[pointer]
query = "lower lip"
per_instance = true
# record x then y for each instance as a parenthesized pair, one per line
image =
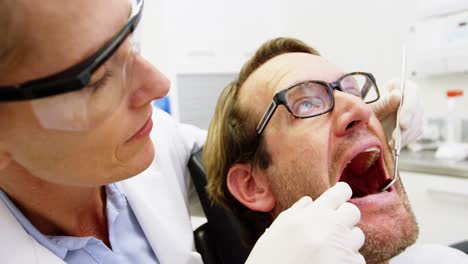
(144, 131)
(377, 199)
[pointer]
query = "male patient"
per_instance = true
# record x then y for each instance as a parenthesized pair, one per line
(292, 125)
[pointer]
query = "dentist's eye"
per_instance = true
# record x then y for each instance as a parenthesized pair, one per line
(102, 81)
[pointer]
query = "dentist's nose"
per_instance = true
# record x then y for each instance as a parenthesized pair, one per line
(148, 83)
(351, 113)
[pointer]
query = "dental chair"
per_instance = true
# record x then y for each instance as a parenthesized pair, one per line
(219, 240)
(462, 246)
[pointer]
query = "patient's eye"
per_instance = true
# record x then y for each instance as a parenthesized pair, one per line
(354, 90)
(309, 106)
(304, 107)
(308, 99)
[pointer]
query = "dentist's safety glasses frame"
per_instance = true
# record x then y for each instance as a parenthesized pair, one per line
(83, 96)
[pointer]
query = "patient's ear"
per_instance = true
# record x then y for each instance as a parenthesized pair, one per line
(250, 187)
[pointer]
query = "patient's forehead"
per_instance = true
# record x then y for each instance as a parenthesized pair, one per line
(282, 72)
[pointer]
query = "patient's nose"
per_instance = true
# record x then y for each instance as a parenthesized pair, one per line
(351, 113)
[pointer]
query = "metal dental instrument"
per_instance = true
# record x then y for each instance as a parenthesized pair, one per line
(397, 147)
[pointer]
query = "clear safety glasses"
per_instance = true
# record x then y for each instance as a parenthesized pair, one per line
(313, 98)
(82, 96)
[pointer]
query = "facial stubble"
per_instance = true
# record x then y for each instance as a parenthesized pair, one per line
(294, 178)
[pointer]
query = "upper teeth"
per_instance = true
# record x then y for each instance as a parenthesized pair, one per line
(372, 157)
(376, 149)
(365, 160)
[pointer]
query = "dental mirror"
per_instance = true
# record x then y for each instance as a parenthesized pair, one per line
(397, 147)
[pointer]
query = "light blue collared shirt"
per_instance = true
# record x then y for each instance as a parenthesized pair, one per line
(129, 243)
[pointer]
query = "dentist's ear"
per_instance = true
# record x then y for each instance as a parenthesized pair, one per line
(250, 187)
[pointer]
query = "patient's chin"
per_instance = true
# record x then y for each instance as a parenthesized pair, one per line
(385, 240)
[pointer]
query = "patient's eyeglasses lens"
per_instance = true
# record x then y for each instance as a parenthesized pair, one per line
(309, 99)
(361, 85)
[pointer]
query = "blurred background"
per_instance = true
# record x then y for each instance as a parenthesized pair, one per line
(201, 45)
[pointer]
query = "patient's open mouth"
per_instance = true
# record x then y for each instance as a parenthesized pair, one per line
(365, 173)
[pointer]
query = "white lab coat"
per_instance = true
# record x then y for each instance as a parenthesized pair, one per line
(159, 197)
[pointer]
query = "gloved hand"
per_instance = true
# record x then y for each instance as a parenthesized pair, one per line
(319, 232)
(411, 117)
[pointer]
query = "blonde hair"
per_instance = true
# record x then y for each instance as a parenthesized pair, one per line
(232, 138)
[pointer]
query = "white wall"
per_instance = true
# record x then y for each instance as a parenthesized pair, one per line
(217, 36)
(357, 35)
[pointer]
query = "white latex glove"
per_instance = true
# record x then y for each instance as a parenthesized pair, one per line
(320, 232)
(411, 118)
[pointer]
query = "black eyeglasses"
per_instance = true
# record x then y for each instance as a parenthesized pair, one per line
(313, 98)
(75, 77)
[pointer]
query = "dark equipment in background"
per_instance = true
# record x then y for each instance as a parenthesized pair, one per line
(219, 240)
